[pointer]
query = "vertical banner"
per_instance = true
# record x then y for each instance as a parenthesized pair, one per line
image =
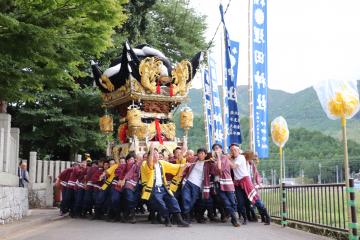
(218, 131)
(259, 75)
(232, 119)
(207, 108)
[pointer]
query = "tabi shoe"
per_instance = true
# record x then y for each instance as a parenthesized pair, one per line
(262, 218)
(224, 218)
(132, 218)
(186, 217)
(152, 217)
(267, 217)
(167, 222)
(234, 220)
(264, 214)
(200, 219)
(97, 215)
(180, 221)
(158, 218)
(213, 217)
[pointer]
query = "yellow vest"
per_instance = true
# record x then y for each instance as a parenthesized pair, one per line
(110, 171)
(148, 176)
(175, 182)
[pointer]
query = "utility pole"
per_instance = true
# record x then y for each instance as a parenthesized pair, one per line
(319, 173)
(337, 174)
(264, 177)
(341, 176)
(302, 176)
(272, 177)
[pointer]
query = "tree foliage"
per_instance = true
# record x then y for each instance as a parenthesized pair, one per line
(61, 123)
(46, 44)
(176, 29)
(168, 25)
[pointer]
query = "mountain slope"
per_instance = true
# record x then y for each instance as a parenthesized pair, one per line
(301, 109)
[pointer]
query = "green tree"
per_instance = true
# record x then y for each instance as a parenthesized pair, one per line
(46, 44)
(168, 25)
(176, 29)
(64, 118)
(61, 123)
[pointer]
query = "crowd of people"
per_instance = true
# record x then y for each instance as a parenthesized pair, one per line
(177, 189)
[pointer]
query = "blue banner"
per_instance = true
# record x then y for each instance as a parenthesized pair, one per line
(232, 118)
(232, 114)
(207, 109)
(260, 80)
(218, 131)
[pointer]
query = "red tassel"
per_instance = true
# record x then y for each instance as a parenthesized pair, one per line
(171, 90)
(158, 131)
(122, 134)
(158, 87)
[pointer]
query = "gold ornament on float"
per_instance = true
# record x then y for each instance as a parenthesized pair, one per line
(133, 117)
(149, 70)
(186, 119)
(180, 74)
(106, 124)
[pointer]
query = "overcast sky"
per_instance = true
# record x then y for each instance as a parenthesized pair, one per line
(308, 40)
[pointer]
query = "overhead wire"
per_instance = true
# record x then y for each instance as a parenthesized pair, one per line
(213, 37)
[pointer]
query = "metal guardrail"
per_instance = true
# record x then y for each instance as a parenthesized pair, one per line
(322, 205)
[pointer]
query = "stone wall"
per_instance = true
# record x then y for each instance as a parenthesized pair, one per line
(41, 195)
(14, 203)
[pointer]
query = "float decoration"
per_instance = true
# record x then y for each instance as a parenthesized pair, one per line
(340, 99)
(279, 131)
(142, 87)
(106, 124)
(186, 119)
(280, 135)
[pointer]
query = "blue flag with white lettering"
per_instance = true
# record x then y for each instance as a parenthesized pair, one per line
(232, 118)
(260, 80)
(208, 108)
(218, 131)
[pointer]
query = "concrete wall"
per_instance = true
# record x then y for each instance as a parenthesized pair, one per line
(13, 203)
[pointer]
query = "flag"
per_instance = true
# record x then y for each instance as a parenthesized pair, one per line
(232, 117)
(260, 80)
(207, 109)
(218, 131)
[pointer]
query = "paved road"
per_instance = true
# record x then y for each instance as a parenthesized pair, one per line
(82, 229)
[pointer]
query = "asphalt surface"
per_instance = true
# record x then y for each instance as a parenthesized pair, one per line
(83, 229)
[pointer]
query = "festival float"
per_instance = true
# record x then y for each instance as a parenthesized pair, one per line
(144, 88)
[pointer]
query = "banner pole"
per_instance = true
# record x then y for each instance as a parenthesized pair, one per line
(207, 137)
(346, 168)
(223, 90)
(251, 118)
